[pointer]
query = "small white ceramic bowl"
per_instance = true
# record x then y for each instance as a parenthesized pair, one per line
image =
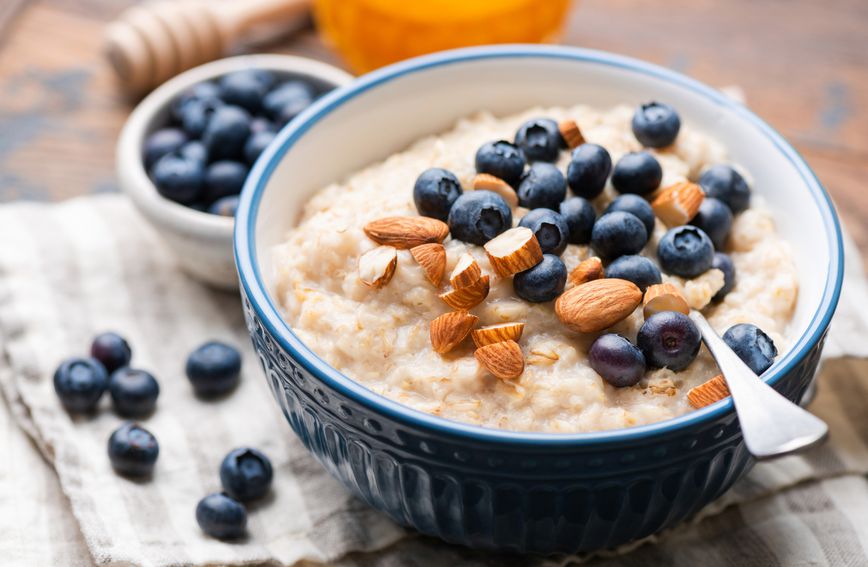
(201, 241)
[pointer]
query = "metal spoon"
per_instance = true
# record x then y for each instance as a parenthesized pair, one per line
(772, 425)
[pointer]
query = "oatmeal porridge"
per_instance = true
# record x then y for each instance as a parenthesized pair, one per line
(367, 305)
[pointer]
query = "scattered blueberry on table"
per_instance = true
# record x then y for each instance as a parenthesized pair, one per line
(216, 131)
(544, 282)
(669, 339)
(133, 450)
(112, 350)
(479, 216)
(134, 392)
(246, 474)
(617, 360)
(550, 228)
(214, 369)
(634, 268)
(752, 345)
(80, 383)
(655, 124)
(221, 516)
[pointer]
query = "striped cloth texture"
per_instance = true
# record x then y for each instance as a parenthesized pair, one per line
(71, 270)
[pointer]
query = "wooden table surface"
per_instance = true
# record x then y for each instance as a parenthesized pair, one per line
(802, 64)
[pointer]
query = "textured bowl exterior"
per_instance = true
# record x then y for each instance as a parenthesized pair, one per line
(527, 499)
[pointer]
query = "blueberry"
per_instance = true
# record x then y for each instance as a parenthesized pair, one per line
(112, 350)
(244, 89)
(588, 170)
(715, 219)
(550, 228)
(221, 516)
(287, 100)
(753, 347)
(637, 269)
(79, 383)
(196, 93)
(637, 172)
(224, 178)
(580, 216)
(618, 233)
(178, 178)
(224, 206)
(261, 124)
(685, 251)
(214, 369)
(724, 183)
(435, 191)
(543, 185)
(227, 132)
(500, 159)
(256, 144)
(133, 450)
(194, 150)
(162, 142)
(478, 216)
(724, 263)
(246, 474)
(134, 392)
(539, 139)
(636, 205)
(669, 339)
(543, 282)
(617, 360)
(197, 114)
(656, 124)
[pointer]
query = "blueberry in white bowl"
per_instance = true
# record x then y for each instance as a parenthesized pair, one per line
(618, 233)
(588, 170)
(542, 185)
(656, 124)
(685, 251)
(715, 219)
(162, 142)
(550, 228)
(501, 159)
(634, 268)
(638, 173)
(669, 339)
(478, 216)
(435, 191)
(580, 216)
(620, 363)
(539, 139)
(636, 205)
(723, 182)
(724, 263)
(544, 282)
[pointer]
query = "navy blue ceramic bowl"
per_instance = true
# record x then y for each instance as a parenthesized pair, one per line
(525, 492)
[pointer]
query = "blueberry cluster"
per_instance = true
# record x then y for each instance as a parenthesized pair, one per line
(617, 236)
(216, 132)
(246, 475)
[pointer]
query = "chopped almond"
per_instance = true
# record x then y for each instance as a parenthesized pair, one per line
(571, 133)
(663, 297)
(587, 270)
(491, 334)
(466, 271)
(513, 251)
(432, 259)
(467, 297)
(406, 232)
(448, 330)
(488, 182)
(708, 393)
(377, 266)
(678, 204)
(504, 359)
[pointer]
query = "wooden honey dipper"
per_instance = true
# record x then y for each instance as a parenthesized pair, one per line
(152, 42)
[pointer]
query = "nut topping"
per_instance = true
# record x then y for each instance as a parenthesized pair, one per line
(491, 334)
(587, 270)
(467, 297)
(516, 250)
(571, 133)
(448, 330)
(678, 204)
(598, 304)
(466, 272)
(432, 259)
(504, 359)
(709, 392)
(663, 297)
(406, 232)
(488, 182)
(377, 266)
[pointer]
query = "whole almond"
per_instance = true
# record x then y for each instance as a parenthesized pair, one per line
(678, 204)
(432, 259)
(513, 251)
(708, 392)
(491, 334)
(488, 182)
(377, 266)
(406, 232)
(467, 297)
(466, 271)
(571, 133)
(587, 270)
(663, 297)
(504, 359)
(448, 330)
(598, 304)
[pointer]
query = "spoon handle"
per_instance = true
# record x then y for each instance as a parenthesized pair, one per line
(772, 425)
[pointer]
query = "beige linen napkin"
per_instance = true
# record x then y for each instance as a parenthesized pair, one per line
(70, 270)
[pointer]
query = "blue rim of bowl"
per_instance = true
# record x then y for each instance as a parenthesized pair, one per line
(260, 300)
